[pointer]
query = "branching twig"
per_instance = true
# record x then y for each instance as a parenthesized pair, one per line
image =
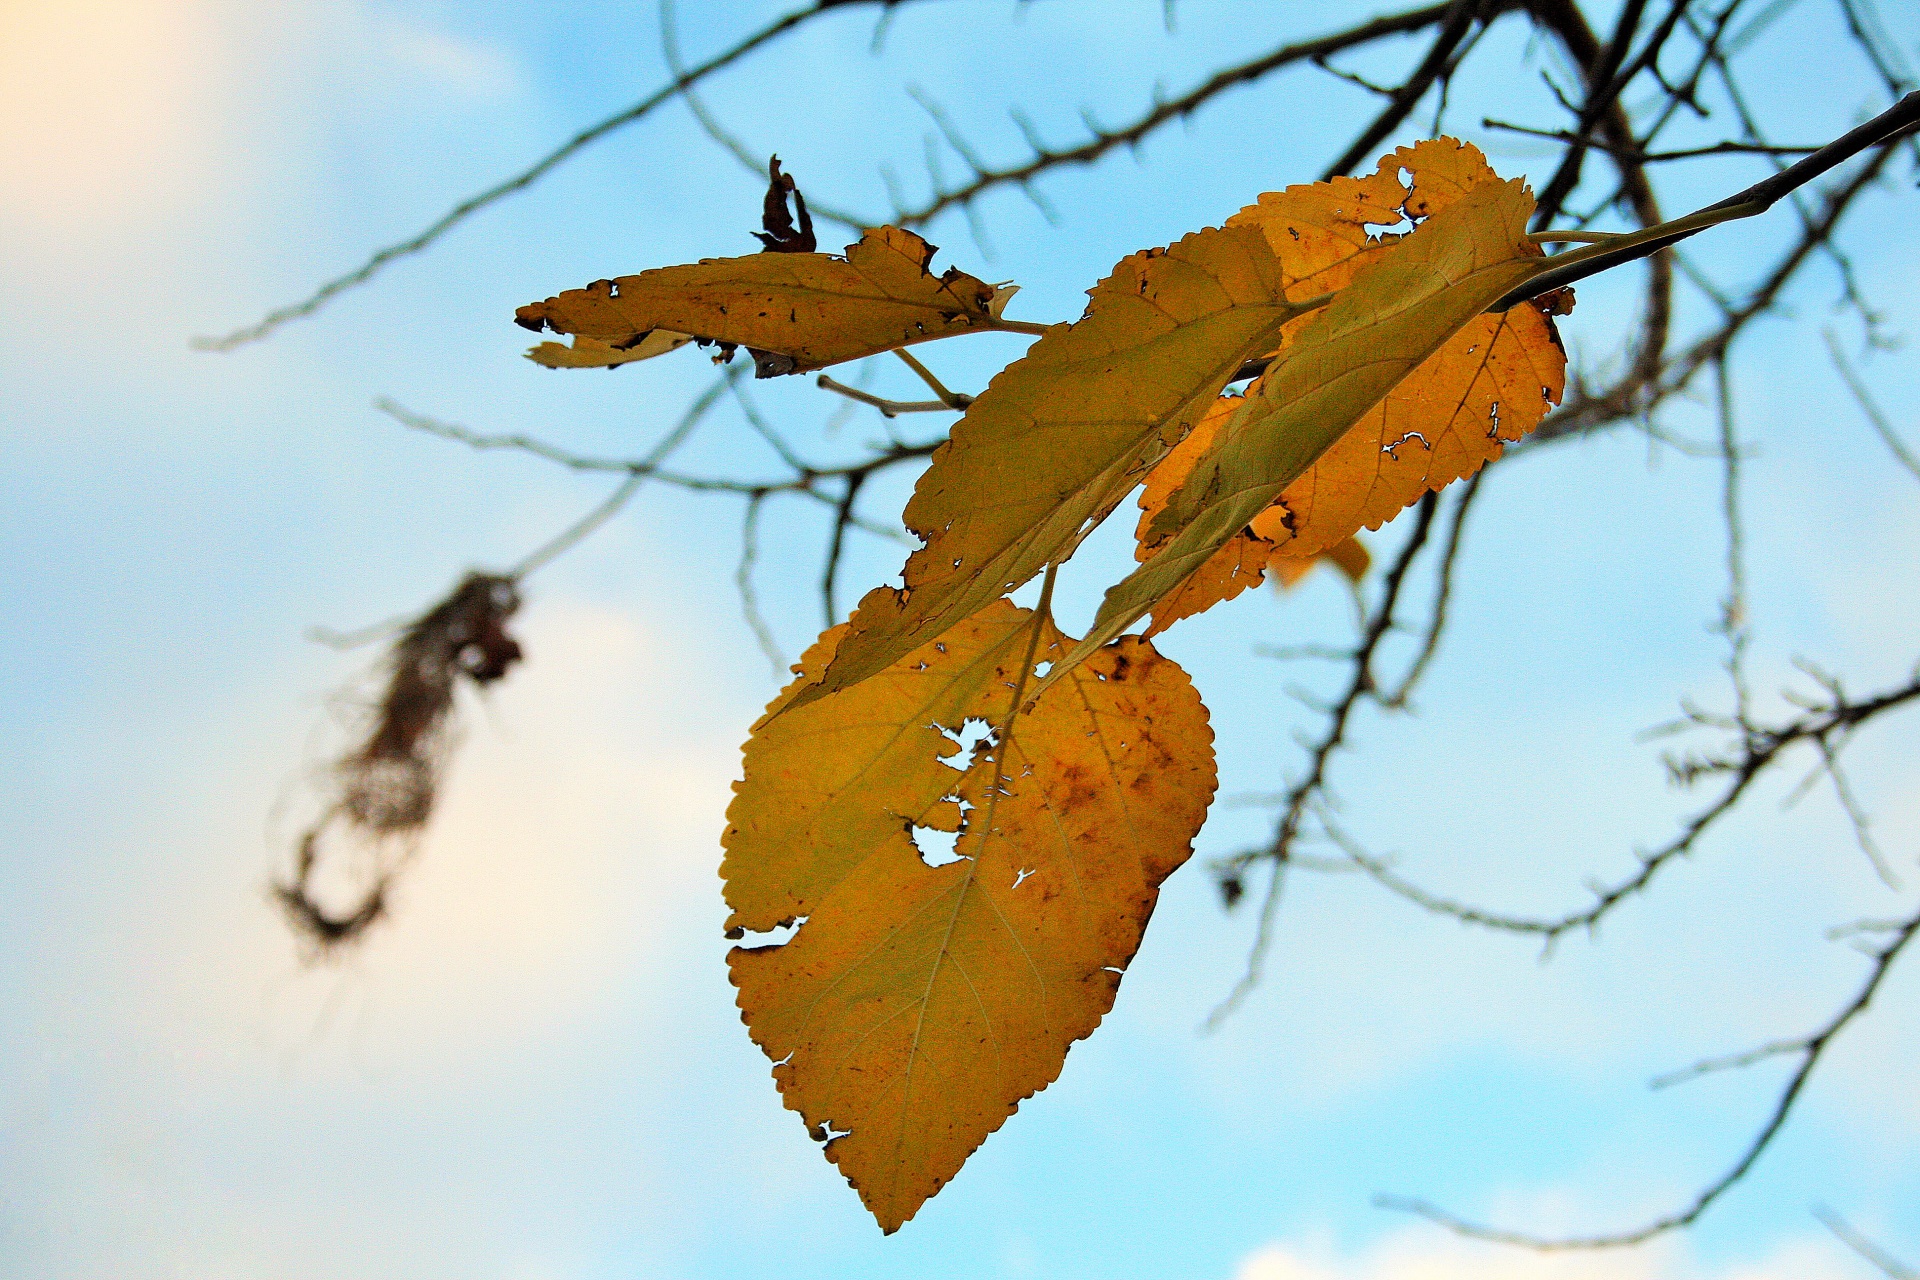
(522, 180)
(1810, 1049)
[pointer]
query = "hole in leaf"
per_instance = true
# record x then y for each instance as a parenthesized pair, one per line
(1392, 450)
(971, 734)
(825, 1132)
(937, 848)
(1020, 876)
(1040, 669)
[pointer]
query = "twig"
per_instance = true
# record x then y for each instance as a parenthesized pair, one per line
(1652, 157)
(520, 181)
(1105, 140)
(1873, 1253)
(1888, 126)
(711, 126)
(571, 536)
(743, 582)
(1457, 20)
(1875, 418)
(1811, 1048)
(1443, 592)
(1301, 794)
(952, 400)
(887, 408)
(1760, 748)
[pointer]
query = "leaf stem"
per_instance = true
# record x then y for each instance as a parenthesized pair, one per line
(887, 408)
(947, 398)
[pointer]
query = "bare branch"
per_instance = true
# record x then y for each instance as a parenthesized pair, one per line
(522, 180)
(1811, 1048)
(1105, 140)
(1866, 1248)
(1875, 418)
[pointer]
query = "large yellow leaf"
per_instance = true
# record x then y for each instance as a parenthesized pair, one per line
(1490, 384)
(917, 1005)
(812, 309)
(1395, 313)
(1062, 435)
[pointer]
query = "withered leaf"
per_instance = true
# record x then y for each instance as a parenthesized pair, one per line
(1490, 384)
(1395, 313)
(918, 1004)
(810, 309)
(778, 235)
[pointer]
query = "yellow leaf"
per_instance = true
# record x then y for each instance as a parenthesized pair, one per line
(1397, 311)
(1490, 384)
(813, 309)
(1246, 557)
(1062, 435)
(917, 1004)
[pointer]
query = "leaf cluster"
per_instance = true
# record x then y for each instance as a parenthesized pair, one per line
(918, 1003)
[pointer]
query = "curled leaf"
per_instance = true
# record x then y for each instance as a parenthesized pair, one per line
(779, 235)
(590, 353)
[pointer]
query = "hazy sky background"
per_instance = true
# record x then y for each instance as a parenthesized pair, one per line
(535, 1069)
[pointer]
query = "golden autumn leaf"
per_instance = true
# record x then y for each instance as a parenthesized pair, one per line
(809, 310)
(1062, 435)
(1490, 384)
(1396, 312)
(918, 1004)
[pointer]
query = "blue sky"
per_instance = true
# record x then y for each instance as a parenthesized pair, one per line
(535, 1068)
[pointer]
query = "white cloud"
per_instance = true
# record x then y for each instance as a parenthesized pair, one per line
(463, 65)
(1425, 1253)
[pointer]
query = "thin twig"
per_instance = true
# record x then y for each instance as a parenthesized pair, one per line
(1873, 1253)
(1875, 418)
(572, 535)
(520, 181)
(1811, 1048)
